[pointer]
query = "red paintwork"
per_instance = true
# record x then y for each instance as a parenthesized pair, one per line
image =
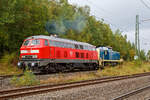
(47, 52)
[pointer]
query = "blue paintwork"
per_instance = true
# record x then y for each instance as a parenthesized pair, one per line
(108, 54)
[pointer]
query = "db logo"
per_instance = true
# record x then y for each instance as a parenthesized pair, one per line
(28, 51)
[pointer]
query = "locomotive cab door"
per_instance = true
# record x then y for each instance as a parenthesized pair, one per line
(52, 52)
(52, 49)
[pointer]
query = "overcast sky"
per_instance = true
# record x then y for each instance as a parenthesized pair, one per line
(121, 14)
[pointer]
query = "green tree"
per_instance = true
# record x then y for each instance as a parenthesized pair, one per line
(22, 18)
(142, 55)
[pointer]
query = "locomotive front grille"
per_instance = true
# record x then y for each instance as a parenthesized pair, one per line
(29, 56)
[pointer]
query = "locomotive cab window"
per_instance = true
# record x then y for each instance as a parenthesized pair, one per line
(65, 45)
(72, 46)
(61, 44)
(81, 46)
(90, 48)
(85, 47)
(69, 45)
(76, 46)
(46, 43)
(51, 43)
(56, 44)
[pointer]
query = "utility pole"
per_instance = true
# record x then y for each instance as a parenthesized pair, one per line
(137, 39)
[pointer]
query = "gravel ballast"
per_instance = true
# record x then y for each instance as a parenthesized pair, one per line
(145, 95)
(104, 91)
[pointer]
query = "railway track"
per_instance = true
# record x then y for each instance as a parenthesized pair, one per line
(8, 76)
(132, 93)
(19, 92)
(5, 76)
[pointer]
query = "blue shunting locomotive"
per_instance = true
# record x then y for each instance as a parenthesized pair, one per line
(108, 56)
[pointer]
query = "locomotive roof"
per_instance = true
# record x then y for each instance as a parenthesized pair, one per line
(59, 39)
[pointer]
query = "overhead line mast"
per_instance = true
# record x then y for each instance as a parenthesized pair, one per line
(137, 39)
(137, 36)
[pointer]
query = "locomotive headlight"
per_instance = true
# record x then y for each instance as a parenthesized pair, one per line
(34, 56)
(34, 51)
(23, 56)
(19, 64)
(32, 64)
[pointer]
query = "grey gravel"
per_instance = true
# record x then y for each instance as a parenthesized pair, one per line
(104, 91)
(145, 95)
(5, 83)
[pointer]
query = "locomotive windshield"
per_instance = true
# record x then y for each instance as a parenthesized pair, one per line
(35, 42)
(31, 42)
(26, 42)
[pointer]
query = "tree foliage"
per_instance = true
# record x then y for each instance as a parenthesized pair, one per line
(22, 18)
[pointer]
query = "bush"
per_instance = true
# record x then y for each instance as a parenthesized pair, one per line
(8, 64)
(138, 63)
(28, 79)
(10, 58)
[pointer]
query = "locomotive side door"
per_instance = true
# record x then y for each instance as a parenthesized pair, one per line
(46, 49)
(52, 49)
(52, 52)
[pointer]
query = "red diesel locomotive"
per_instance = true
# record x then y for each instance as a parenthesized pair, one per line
(52, 54)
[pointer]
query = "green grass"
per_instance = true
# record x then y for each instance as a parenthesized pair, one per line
(127, 68)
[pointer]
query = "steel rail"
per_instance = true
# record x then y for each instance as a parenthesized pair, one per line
(5, 76)
(132, 93)
(9, 76)
(14, 93)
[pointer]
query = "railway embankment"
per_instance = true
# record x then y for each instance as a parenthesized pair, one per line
(103, 91)
(57, 78)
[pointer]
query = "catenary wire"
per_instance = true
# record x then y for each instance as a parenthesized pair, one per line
(145, 4)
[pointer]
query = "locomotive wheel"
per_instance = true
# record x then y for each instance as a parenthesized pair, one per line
(89, 67)
(62, 68)
(50, 68)
(59, 68)
(53, 68)
(69, 67)
(92, 67)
